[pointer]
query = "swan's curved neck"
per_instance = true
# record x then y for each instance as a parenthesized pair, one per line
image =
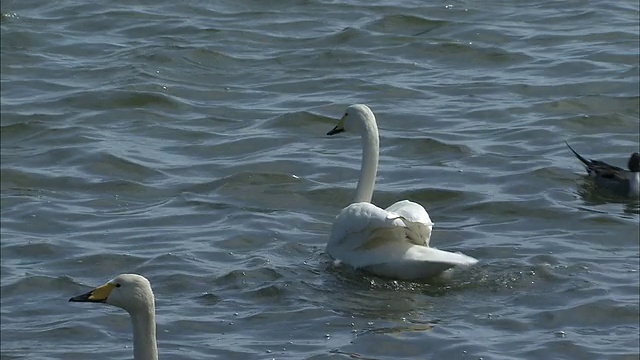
(144, 334)
(369, 167)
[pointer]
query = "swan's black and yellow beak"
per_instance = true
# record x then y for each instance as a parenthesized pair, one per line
(339, 128)
(98, 295)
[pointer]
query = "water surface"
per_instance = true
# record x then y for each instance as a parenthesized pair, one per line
(185, 142)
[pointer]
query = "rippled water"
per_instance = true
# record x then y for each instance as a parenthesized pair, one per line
(185, 142)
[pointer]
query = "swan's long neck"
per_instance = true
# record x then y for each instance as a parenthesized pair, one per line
(369, 168)
(144, 334)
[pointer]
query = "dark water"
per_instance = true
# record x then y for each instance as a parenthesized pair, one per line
(185, 141)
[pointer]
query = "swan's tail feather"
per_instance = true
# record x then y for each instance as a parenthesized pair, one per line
(408, 261)
(429, 254)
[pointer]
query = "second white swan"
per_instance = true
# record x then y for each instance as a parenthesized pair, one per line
(132, 293)
(391, 242)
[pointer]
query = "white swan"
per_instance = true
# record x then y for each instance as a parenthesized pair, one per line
(132, 293)
(393, 242)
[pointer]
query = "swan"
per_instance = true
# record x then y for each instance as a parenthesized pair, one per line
(391, 242)
(612, 178)
(132, 293)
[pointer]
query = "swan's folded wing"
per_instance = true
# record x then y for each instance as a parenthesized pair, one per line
(411, 211)
(357, 221)
(363, 226)
(416, 219)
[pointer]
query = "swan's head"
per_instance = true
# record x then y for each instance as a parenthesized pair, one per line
(130, 292)
(634, 162)
(355, 119)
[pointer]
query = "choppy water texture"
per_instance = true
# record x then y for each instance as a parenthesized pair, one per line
(185, 141)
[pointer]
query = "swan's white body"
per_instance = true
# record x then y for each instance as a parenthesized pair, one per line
(132, 293)
(393, 242)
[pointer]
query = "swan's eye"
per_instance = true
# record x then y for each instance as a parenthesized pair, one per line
(345, 114)
(118, 285)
